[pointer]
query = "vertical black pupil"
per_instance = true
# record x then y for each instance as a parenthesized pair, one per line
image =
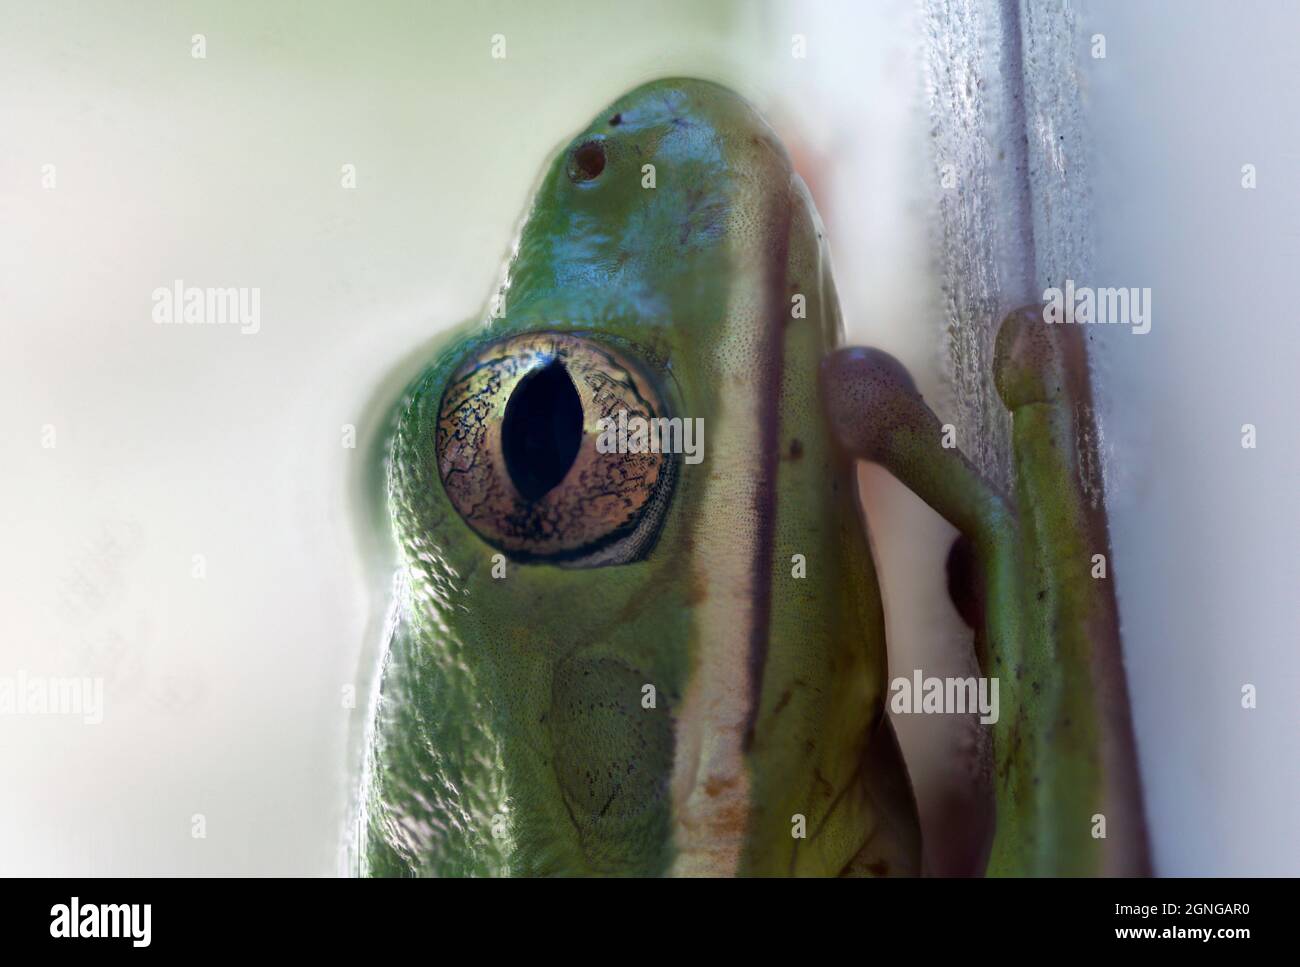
(542, 430)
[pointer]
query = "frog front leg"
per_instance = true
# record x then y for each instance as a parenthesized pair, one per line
(1066, 783)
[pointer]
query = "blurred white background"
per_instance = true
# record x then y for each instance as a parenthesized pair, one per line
(223, 694)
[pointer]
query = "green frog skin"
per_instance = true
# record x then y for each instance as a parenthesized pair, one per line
(673, 663)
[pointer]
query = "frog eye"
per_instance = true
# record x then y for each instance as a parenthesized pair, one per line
(517, 446)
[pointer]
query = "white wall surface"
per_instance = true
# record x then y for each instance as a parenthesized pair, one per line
(222, 694)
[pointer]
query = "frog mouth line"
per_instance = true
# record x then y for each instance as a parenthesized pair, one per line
(771, 360)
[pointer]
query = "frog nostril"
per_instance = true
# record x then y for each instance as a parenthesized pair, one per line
(541, 431)
(587, 161)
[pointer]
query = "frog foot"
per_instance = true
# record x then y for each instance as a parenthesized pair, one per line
(1037, 586)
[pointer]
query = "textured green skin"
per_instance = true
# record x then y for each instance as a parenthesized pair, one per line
(479, 719)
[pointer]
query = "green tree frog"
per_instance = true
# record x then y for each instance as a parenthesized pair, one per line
(635, 626)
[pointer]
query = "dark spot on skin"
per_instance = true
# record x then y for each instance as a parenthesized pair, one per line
(796, 449)
(608, 802)
(827, 789)
(1015, 749)
(783, 701)
(616, 120)
(715, 785)
(1042, 594)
